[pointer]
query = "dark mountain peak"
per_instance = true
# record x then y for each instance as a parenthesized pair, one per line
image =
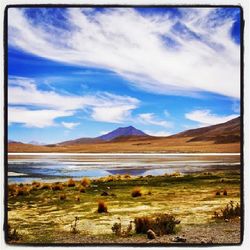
(122, 131)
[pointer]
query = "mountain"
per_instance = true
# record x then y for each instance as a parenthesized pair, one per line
(227, 132)
(123, 134)
(36, 143)
(220, 138)
(125, 131)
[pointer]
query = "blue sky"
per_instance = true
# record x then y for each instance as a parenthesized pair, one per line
(84, 72)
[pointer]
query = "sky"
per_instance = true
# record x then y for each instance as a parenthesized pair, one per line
(83, 72)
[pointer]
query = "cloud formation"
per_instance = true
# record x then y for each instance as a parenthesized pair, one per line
(70, 125)
(206, 117)
(149, 118)
(35, 107)
(182, 55)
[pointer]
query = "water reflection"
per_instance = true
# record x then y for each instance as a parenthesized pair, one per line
(55, 168)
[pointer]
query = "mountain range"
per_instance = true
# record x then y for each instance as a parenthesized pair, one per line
(220, 137)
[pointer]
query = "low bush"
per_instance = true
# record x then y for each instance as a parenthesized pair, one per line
(36, 184)
(230, 211)
(71, 183)
(118, 231)
(45, 186)
(57, 187)
(20, 191)
(136, 192)
(85, 182)
(217, 193)
(102, 207)
(160, 223)
(225, 192)
(12, 234)
(62, 197)
(82, 190)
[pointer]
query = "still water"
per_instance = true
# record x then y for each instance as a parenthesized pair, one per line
(51, 167)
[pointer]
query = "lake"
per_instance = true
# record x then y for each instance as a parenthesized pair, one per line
(56, 167)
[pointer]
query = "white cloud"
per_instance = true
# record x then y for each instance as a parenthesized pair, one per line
(35, 118)
(70, 125)
(112, 114)
(34, 107)
(166, 113)
(205, 117)
(149, 118)
(138, 47)
(158, 133)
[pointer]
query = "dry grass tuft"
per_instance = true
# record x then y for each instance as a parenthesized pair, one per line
(45, 186)
(71, 183)
(57, 187)
(36, 184)
(82, 190)
(230, 211)
(160, 223)
(85, 182)
(102, 207)
(136, 192)
(62, 197)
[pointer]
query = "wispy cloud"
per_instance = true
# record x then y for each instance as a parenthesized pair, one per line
(150, 118)
(35, 118)
(206, 117)
(70, 125)
(158, 133)
(191, 53)
(34, 107)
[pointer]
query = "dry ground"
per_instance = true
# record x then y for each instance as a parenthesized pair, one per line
(163, 145)
(41, 217)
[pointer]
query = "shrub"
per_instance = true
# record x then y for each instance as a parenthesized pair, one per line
(160, 223)
(62, 197)
(136, 192)
(12, 234)
(117, 229)
(36, 184)
(82, 189)
(127, 176)
(20, 191)
(57, 187)
(230, 211)
(71, 183)
(225, 192)
(217, 193)
(85, 182)
(46, 186)
(102, 207)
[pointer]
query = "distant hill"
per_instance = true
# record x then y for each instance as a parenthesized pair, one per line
(221, 138)
(227, 132)
(125, 131)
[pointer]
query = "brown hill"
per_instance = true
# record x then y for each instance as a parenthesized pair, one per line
(227, 132)
(221, 138)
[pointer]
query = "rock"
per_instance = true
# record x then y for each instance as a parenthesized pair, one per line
(179, 239)
(151, 234)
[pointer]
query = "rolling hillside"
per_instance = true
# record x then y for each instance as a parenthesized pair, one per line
(222, 138)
